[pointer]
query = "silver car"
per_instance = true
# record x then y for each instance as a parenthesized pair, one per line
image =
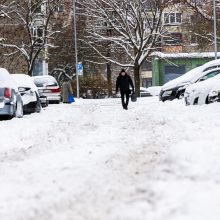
(10, 99)
(49, 87)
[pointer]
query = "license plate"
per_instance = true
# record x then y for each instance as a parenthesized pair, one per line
(47, 90)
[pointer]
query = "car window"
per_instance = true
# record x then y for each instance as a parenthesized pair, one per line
(212, 74)
(42, 82)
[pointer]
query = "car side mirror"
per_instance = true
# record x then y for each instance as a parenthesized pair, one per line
(202, 79)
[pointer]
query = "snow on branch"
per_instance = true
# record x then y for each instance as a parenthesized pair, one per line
(133, 27)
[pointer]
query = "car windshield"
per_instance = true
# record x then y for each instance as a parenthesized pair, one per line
(42, 82)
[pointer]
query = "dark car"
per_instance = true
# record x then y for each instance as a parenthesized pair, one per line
(10, 99)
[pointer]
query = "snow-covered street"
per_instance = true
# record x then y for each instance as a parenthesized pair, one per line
(92, 160)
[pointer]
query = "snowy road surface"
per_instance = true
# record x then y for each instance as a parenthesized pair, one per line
(92, 160)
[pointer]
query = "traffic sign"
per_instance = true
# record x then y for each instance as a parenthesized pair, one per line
(80, 68)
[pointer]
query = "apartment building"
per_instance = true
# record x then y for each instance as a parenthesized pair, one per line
(45, 22)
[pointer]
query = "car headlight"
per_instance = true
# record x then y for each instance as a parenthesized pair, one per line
(214, 93)
(167, 93)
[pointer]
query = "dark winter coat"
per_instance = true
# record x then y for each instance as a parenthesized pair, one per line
(66, 91)
(124, 82)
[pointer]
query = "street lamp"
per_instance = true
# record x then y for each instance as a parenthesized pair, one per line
(76, 52)
(215, 37)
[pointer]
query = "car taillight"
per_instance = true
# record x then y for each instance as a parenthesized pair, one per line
(7, 93)
(55, 90)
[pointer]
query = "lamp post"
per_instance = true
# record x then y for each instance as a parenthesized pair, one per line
(76, 51)
(215, 37)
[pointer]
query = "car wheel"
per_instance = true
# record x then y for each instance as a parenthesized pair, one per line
(38, 107)
(19, 110)
(207, 100)
(180, 95)
(196, 101)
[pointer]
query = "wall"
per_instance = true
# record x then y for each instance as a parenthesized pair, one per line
(159, 66)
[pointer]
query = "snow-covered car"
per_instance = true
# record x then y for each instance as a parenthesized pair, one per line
(10, 99)
(144, 92)
(49, 87)
(176, 88)
(29, 93)
(198, 93)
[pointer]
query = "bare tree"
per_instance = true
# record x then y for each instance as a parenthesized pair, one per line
(201, 24)
(5, 9)
(34, 33)
(135, 30)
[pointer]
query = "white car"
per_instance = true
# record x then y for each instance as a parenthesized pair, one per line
(49, 87)
(198, 93)
(144, 92)
(29, 93)
(176, 88)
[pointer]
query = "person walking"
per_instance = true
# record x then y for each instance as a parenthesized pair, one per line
(66, 91)
(123, 82)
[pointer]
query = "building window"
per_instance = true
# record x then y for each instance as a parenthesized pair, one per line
(172, 18)
(59, 8)
(38, 34)
(146, 82)
(147, 65)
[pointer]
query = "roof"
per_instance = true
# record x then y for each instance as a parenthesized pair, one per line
(185, 55)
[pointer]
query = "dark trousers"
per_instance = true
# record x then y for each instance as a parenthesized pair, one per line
(123, 95)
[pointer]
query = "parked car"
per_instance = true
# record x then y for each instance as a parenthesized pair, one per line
(144, 92)
(49, 87)
(29, 93)
(176, 88)
(10, 98)
(198, 93)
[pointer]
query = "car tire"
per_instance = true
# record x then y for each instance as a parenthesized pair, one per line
(38, 107)
(180, 95)
(196, 101)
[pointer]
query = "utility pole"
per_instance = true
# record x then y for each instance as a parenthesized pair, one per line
(76, 51)
(215, 37)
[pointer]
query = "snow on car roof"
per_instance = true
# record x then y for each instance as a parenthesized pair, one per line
(6, 79)
(23, 80)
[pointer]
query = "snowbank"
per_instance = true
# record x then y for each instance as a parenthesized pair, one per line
(92, 160)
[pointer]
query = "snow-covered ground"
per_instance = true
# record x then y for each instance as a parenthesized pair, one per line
(92, 160)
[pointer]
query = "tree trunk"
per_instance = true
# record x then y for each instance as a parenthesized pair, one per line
(137, 80)
(109, 78)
